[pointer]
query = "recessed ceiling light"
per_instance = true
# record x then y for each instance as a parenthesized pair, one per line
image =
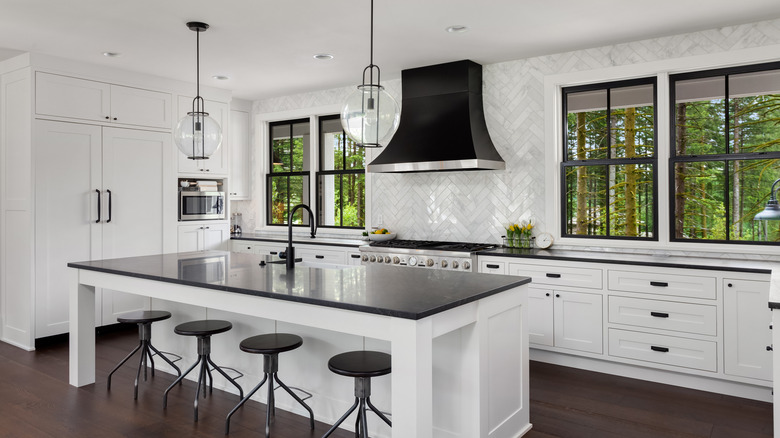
(112, 54)
(221, 77)
(323, 56)
(457, 28)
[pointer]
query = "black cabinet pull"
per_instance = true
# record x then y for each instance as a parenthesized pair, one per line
(547, 294)
(557, 295)
(549, 275)
(659, 283)
(659, 314)
(659, 349)
(319, 256)
(492, 266)
(274, 252)
(769, 348)
(98, 219)
(355, 256)
(109, 205)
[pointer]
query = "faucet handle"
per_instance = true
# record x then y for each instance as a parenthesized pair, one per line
(282, 254)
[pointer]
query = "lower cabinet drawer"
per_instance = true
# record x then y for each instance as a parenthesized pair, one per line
(665, 315)
(661, 349)
(690, 286)
(322, 256)
(558, 276)
(492, 267)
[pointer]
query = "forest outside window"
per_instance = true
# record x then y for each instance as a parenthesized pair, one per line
(608, 171)
(726, 146)
(288, 180)
(341, 181)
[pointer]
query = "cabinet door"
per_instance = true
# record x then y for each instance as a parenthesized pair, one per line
(190, 238)
(64, 96)
(67, 173)
(240, 155)
(540, 316)
(216, 236)
(133, 169)
(578, 321)
(217, 164)
(746, 333)
(134, 106)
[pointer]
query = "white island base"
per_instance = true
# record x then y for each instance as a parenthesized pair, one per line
(478, 350)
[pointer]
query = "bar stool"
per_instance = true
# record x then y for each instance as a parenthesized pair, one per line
(144, 319)
(202, 329)
(362, 365)
(270, 345)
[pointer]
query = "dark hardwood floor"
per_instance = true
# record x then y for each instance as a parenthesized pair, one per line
(36, 401)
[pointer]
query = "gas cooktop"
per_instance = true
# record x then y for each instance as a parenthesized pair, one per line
(432, 245)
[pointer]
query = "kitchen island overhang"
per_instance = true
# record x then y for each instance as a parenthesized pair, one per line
(408, 308)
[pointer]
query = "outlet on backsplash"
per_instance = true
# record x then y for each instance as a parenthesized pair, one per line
(379, 219)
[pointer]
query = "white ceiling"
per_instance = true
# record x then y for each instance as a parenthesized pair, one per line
(267, 47)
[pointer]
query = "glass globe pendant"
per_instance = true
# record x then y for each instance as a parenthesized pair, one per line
(370, 115)
(197, 135)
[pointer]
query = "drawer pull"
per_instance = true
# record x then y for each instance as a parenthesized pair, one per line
(492, 266)
(659, 314)
(549, 275)
(659, 349)
(659, 283)
(319, 256)
(274, 252)
(355, 256)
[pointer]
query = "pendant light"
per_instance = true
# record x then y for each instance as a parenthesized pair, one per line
(370, 115)
(772, 210)
(197, 135)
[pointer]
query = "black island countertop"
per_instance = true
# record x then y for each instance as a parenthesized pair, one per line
(379, 289)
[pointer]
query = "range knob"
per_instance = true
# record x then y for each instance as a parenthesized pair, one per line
(466, 265)
(396, 260)
(380, 259)
(372, 259)
(443, 263)
(412, 261)
(429, 263)
(364, 258)
(454, 264)
(387, 259)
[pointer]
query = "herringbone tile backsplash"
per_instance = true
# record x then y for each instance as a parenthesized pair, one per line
(475, 206)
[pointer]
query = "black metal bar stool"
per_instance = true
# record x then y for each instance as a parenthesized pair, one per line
(203, 329)
(362, 365)
(270, 345)
(144, 319)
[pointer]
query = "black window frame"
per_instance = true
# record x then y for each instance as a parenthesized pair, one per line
(341, 172)
(306, 175)
(606, 162)
(726, 157)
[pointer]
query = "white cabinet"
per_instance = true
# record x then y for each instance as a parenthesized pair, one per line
(746, 320)
(353, 257)
(321, 254)
(107, 202)
(217, 164)
(200, 237)
(240, 156)
(64, 96)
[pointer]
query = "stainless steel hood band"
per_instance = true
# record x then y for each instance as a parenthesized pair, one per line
(470, 164)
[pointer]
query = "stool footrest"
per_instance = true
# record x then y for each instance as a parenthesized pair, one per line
(239, 374)
(168, 354)
(308, 394)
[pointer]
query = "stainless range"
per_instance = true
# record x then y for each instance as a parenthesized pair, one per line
(424, 254)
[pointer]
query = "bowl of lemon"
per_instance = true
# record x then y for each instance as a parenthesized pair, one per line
(380, 235)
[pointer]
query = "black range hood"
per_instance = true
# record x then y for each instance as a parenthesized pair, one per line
(442, 123)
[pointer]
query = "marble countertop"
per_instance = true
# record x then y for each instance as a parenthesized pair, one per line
(387, 290)
(332, 241)
(625, 258)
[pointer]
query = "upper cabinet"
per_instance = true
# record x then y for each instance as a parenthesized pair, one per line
(240, 155)
(217, 164)
(64, 96)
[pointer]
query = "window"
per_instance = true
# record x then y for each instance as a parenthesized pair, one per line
(725, 151)
(608, 170)
(341, 181)
(288, 181)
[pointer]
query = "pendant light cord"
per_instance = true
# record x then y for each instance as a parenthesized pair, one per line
(371, 51)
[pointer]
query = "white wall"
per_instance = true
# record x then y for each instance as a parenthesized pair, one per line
(474, 206)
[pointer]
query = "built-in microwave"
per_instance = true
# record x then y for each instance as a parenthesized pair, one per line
(196, 205)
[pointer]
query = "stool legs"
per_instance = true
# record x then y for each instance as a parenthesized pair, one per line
(270, 373)
(362, 399)
(146, 347)
(204, 374)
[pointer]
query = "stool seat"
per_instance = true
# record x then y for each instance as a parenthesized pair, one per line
(271, 343)
(143, 316)
(203, 327)
(360, 364)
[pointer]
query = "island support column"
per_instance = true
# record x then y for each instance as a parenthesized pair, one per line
(82, 331)
(412, 378)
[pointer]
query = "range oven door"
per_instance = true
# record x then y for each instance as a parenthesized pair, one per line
(195, 205)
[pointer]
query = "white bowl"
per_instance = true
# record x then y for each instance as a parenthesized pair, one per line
(381, 237)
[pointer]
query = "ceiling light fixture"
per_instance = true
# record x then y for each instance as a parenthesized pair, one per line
(370, 115)
(197, 135)
(323, 56)
(457, 28)
(772, 210)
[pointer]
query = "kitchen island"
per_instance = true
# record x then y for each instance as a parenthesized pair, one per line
(409, 308)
